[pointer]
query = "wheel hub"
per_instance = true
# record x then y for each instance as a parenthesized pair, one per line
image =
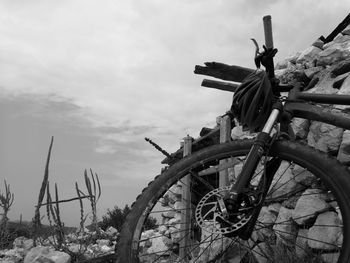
(212, 217)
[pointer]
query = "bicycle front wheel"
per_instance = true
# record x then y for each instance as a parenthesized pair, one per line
(305, 216)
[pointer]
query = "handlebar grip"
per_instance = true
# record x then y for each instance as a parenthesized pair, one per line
(268, 31)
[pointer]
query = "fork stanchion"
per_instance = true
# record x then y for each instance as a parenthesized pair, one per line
(225, 136)
(185, 227)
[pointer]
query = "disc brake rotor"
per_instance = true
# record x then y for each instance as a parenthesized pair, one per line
(209, 215)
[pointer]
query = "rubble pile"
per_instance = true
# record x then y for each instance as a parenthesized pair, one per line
(79, 243)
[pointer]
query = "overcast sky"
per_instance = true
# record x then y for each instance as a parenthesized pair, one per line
(100, 76)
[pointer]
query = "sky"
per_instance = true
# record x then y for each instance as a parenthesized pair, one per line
(100, 76)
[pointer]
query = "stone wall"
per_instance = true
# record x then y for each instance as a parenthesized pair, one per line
(327, 66)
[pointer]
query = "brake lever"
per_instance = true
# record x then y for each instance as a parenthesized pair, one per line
(257, 55)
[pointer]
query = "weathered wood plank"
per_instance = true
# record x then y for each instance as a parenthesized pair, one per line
(185, 204)
(219, 85)
(223, 71)
(338, 29)
(209, 138)
(220, 167)
(225, 136)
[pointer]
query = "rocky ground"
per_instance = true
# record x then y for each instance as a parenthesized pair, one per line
(81, 244)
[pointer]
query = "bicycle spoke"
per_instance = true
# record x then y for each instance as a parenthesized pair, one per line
(288, 241)
(200, 179)
(273, 190)
(308, 238)
(205, 249)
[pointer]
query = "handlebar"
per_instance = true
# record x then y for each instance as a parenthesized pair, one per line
(268, 31)
(269, 43)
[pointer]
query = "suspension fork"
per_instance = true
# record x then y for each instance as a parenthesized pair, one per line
(264, 184)
(258, 149)
(255, 154)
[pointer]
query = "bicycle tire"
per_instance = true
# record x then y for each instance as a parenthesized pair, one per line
(328, 174)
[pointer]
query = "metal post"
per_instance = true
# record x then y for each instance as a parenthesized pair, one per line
(225, 136)
(186, 206)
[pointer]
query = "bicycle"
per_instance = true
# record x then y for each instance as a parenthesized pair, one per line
(257, 217)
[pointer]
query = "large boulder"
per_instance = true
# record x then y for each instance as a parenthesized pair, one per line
(300, 127)
(344, 150)
(14, 255)
(303, 176)
(287, 62)
(311, 72)
(285, 227)
(309, 55)
(325, 137)
(337, 50)
(323, 237)
(325, 82)
(111, 232)
(283, 181)
(308, 206)
(23, 242)
(47, 255)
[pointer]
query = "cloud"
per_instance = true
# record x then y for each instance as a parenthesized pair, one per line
(102, 75)
(118, 62)
(28, 123)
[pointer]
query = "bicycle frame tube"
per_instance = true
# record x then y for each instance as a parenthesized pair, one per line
(271, 121)
(324, 98)
(298, 105)
(316, 113)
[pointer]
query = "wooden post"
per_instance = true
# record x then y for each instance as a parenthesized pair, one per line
(225, 136)
(223, 71)
(227, 86)
(186, 206)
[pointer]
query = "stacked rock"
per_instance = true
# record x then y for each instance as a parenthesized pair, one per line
(327, 68)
